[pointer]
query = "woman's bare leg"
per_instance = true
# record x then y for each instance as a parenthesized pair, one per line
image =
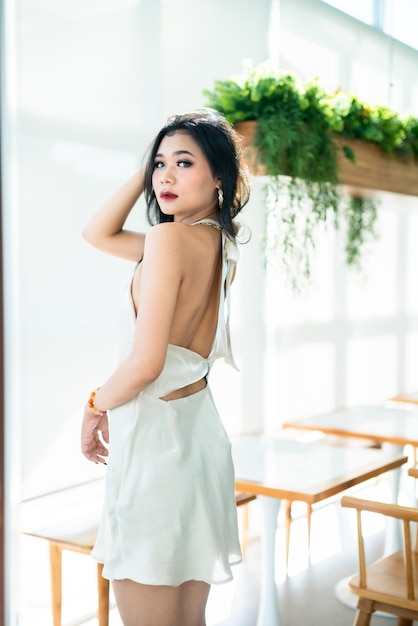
(194, 596)
(155, 605)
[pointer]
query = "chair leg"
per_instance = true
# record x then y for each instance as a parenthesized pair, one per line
(245, 525)
(287, 524)
(103, 596)
(55, 558)
(309, 520)
(364, 612)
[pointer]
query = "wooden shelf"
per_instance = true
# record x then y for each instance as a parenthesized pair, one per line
(374, 170)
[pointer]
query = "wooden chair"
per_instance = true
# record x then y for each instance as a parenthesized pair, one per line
(76, 535)
(391, 583)
(242, 499)
(79, 535)
(413, 471)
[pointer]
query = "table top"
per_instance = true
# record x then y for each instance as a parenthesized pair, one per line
(309, 472)
(406, 397)
(384, 424)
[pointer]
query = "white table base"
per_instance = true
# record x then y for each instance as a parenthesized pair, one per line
(269, 606)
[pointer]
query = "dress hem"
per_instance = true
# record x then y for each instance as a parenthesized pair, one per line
(222, 581)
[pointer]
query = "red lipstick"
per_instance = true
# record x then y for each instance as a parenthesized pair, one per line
(167, 195)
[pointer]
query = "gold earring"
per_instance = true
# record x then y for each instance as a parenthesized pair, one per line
(220, 198)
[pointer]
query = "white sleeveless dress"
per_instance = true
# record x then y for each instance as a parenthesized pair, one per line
(169, 514)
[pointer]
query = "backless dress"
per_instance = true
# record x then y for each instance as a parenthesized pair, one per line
(169, 514)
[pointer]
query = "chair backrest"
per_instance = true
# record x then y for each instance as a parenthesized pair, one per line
(413, 471)
(401, 594)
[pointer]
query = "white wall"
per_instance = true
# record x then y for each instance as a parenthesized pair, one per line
(95, 81)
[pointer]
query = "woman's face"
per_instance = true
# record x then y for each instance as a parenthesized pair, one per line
(182, 180)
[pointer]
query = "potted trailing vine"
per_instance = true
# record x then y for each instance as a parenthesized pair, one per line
(291, 132)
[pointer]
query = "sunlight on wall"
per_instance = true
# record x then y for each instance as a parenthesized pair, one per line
(411, 304)
(80, 62)
(372, 84)
(411, 358)
(305, 57)
(372, 293)
(316, 302)
(371, 369)
(413, 109)
(300, 381)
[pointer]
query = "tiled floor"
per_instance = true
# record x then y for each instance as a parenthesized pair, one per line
(306, 595)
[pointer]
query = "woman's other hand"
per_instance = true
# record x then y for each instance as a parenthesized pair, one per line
(94, 434)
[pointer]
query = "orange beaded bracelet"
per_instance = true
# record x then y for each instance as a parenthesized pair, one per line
(90, 403)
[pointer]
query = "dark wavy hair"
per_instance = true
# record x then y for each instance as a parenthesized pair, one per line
(222, 148)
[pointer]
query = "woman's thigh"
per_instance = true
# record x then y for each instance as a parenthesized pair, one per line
(155, 605)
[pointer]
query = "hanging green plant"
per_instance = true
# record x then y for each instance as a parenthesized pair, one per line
(361, 218)
(294, 142)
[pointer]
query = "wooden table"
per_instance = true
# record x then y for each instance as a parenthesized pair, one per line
(277, 469)
(385, 425)
(411, 398)
(394, 428)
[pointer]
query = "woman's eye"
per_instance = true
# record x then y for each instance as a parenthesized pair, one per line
(158, 165)
(184, 163)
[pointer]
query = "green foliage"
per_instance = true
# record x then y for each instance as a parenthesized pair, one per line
(361, 218)
(411, 135)
(261, 93)
(377, 124)
(255, 94)
(294, 138)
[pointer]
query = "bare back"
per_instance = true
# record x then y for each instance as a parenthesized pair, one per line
(196, 313)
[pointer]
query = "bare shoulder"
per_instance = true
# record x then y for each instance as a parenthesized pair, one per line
(165, 231)
(168, 237)
(168, 242)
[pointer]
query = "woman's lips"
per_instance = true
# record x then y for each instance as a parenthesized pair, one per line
(167, 195)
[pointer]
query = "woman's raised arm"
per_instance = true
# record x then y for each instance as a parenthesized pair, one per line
(162, 273)
(105, 229)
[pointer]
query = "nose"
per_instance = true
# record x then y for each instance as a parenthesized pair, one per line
(167, 175)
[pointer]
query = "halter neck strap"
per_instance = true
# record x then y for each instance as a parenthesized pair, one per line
(209, 222)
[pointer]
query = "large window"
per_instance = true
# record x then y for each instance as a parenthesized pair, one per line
(361, 9)
(397, 18)
(400, 19)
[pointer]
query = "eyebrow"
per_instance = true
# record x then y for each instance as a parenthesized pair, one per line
(177, 152)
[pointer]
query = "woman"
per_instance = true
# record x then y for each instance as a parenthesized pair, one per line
(169, 526)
